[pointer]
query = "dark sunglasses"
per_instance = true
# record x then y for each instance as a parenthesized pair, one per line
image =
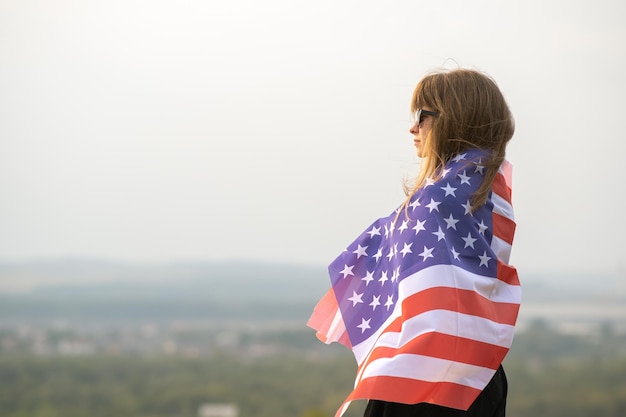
(418, 116)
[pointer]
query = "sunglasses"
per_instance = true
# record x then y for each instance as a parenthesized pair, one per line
(419, 115)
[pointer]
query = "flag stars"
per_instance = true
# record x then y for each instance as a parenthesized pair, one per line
(406, 249)
(415, 203)
(468, 207)
(383, 278)
(427, 253)
(459, 157)
(390, 254)
(455, 254)
(375, 302)
(451, 222)
(403, 226)
(440, 234)
(389, 302)
(480, 168)
(464, 178)
(433, 205)
(482, 227)
(449, 190)
(360, 251)
(419, 226)
(469, 241)
(365, 324)
(379, 254)
(375, 231)
(347, 270)
(484, 259)
(395, 275)
(356, 298)
(369, 277)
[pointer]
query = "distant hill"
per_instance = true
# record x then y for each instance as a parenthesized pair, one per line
(99, 290)
(79, 289)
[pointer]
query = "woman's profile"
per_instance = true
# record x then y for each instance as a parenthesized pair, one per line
(425, 297)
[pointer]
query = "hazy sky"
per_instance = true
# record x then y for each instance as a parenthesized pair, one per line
(161, 130)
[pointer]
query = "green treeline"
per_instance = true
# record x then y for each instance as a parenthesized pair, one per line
(550, 374)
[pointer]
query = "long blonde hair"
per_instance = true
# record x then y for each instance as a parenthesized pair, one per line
(472, 114)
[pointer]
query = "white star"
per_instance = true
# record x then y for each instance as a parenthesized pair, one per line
(415, 203)
(389, 301)
(369, 277)
(468, 207)
(480, 168)
(419, 225)
(469, 241)
(449, 190)
(360, 251)
(390, 254)
(403, 226)
(440, 234)
(383, 278)
(429, 182)
(406, 249)
(356, 298)
(386, 231)
(375, 231)
(378, 254)
(482, 227)
(392, 227)
(427, 253)
(464, 178)
(445, 172)
(451, 222)
(375, 302)
(365, 324)
(484, 259)
(455, 253)
(433, 205)
(459, 157)
(347, 270)
(395, 275)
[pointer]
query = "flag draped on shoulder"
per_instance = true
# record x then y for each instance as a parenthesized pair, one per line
(427, 300)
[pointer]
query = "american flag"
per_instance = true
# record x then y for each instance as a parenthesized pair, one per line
(428, 302)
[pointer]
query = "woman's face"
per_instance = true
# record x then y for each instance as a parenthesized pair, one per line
(420, 130)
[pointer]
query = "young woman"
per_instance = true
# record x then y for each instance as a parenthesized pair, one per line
(425, 297)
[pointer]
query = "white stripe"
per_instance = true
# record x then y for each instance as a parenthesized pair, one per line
(441, 321)
(446, 276)
(501, 248)
(453, 276)
(336, 329)
(426, 368)
(502, 207)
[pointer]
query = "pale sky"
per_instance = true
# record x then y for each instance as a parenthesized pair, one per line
(154, 130)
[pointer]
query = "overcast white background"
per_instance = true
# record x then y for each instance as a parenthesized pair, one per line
(277, 130)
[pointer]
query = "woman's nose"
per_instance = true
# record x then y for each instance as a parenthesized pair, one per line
(414, 128)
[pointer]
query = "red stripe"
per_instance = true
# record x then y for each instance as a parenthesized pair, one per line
(508, 274)
(499, 187)
(324, 313)
(412, 391)
(503, 227)
(462, 301)
(444, 346)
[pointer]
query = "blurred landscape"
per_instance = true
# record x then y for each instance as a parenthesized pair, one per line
(97, 338)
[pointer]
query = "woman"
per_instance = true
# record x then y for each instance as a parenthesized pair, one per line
(425, 297)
